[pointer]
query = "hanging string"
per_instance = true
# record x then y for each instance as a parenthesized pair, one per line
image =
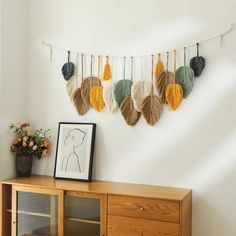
(99, 66)
(82, 66)
(51, 53)
(175, 66)
(77, 69)
(187, 46)
(124, 68)
(132, 68)
(152, 74)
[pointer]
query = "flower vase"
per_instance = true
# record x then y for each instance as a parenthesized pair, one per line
(24, 165)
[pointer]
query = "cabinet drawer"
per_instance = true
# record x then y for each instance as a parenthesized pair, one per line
(143, 208)
(124, 226)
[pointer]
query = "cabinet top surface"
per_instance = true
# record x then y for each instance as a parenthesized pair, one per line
(102, 187)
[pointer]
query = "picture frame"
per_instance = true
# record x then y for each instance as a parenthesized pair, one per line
(75, 151)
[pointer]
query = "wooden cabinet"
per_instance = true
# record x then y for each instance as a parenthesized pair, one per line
(44, 206)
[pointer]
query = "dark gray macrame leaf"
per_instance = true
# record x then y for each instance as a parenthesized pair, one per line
(68, 70)
(197, 64)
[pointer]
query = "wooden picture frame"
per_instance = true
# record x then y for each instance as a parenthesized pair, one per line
(75, 150)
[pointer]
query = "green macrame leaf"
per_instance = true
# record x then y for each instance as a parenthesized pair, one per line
(185, 77)
(122, 89)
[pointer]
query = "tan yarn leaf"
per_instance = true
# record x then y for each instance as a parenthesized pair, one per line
(96, 98)
(152, 109)
(128, 111)
(174, 96)
(162, 81)
(81, 106)
(87, 85)
(108, 97)
(140, 90)
(71, 86)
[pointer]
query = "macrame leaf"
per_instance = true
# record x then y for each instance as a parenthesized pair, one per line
(140, 90)
(174, 96)
(71, 86)
(108, 97)
(107, 72)
(86, 86)
(122, 89)
(162, 81)
(159, 68)
(68, 70)
(152, 109)
(96, 98)
(81, 106)
(197, 64)
(128, 111)
(185, 77)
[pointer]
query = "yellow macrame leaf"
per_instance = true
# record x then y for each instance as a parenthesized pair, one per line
(174, 96)
(159, 67)
(107, 72)
(96, 98)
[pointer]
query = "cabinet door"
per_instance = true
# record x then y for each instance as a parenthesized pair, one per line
(37, 211)
(85, 214)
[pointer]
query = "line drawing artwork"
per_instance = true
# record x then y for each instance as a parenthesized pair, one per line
(73, 141)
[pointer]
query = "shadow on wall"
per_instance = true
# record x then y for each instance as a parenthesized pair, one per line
(207, 136)
(214, 213)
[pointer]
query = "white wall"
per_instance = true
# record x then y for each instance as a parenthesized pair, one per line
(13, 102)
(192, 147)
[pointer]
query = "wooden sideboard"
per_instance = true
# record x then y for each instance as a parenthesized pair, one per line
(42, 205)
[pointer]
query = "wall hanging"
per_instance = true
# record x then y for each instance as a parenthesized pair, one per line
(140, 89)
(152, 106)
(128, 111)
(132, 97)
(80, 104)
(185, 77)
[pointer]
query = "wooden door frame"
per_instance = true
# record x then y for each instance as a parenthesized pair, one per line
(54, 192)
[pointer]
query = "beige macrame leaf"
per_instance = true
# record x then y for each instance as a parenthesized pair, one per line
(81, 106)
(108, 97)
(152, 109)
(162, 81)
(96, 98)
(128, 111)
(174, 96)
(86, 86)
(139, 91)
(71, 86)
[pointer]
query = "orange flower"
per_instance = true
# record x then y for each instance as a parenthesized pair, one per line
(45, 153)
(46, 143)
(15, 141)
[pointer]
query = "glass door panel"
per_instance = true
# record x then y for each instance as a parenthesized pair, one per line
(37, 214)
(82, 216)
